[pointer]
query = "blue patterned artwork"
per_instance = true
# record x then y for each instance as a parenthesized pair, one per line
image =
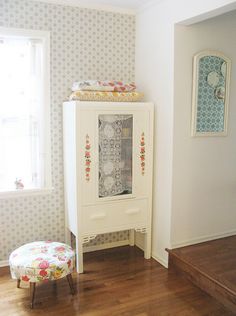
(210, 94)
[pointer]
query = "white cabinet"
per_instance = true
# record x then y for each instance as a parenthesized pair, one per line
(108, 149)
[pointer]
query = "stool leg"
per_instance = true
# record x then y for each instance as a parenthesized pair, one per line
(32, 293)
(70, 281)
(18, 283)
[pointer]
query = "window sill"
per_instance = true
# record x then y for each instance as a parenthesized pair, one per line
(24, 192)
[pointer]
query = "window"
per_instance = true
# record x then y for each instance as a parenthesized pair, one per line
(24, 110)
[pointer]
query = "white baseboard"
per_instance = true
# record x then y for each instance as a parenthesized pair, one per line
(106, 246)
(163, 262)
(198, 240)
(4, 263)
(139, 245)
(160, 260)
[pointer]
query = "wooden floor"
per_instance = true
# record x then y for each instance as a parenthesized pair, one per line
(216, 258)
(116, 282)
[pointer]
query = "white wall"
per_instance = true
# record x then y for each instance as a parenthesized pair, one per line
(204, 169)
(155, 76)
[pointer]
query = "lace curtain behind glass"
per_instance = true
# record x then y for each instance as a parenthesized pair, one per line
(115, 154)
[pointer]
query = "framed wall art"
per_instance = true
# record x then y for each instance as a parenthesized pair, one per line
(210, 96)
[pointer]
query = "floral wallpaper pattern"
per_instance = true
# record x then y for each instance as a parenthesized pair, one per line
(85, 44)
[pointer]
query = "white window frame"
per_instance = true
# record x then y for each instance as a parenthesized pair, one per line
(44, 36)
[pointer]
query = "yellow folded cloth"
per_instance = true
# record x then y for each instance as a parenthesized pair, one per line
(106, 96)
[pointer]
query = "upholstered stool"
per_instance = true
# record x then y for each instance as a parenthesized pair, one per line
(40, 261)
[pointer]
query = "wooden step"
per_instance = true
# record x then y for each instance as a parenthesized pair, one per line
(202, 279)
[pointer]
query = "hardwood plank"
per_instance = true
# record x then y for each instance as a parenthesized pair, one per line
(116, 282)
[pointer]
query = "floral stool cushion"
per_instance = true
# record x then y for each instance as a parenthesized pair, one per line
(41, 260)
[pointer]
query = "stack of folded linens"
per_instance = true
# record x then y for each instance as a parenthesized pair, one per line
(116, 91)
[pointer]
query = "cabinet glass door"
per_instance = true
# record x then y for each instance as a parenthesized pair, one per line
(115, 154)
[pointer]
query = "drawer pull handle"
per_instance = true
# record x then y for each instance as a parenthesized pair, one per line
(133, 211)
(98, 216)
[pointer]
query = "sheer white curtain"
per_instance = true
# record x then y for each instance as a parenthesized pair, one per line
(21, 109)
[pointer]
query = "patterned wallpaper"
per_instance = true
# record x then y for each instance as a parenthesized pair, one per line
(85, 44)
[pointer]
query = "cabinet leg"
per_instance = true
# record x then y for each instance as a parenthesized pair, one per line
(131, 237)
(147, 251)
(79, 255)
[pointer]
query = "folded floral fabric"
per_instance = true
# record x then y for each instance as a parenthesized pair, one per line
(94, 85)
(106, 96)
(90, 85)
(119, 86)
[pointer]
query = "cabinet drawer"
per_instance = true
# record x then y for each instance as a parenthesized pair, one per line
(114, 216)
